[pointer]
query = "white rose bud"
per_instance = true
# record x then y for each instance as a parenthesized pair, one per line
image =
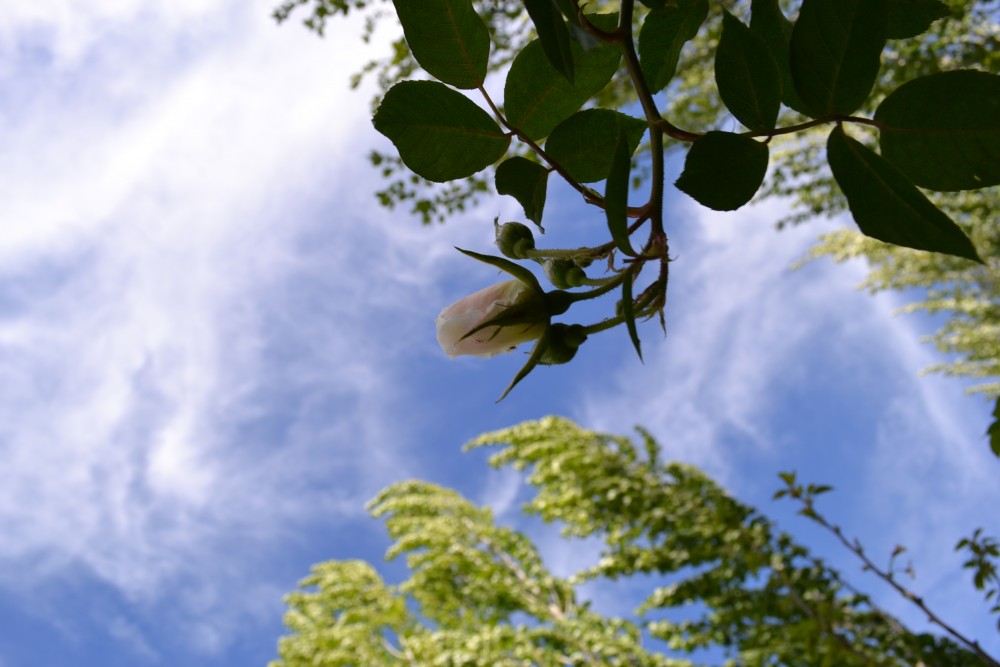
(464, 315)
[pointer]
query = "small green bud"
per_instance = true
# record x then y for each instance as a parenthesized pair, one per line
(564, 341)
(514, 240)
(564, 273)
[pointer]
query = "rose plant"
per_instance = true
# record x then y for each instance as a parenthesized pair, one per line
(462, 327)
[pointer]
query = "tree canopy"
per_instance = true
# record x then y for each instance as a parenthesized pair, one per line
(724, 577)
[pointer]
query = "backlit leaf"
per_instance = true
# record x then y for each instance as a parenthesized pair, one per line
(663, 35)
(447, 38)
(887, 206)
(527, 182)
(768, 21)
(944, 130)
(552, 34)
(835, 52)
(723, 171)
(537, 97)
(584, 143)
(909, 18)
(747, 77)
(440, 134)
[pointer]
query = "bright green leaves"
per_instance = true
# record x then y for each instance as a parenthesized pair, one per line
(553, 35)
(537, 97)
(525, 181)
(747, 76)
(909, 18)
(723, 170)
(943, 130)
(583, 144)
(447, 38)
(440, 134)
(889, 207)
(662, 36)
(835, 53)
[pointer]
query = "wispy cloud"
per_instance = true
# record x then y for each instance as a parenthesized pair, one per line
(193, 325)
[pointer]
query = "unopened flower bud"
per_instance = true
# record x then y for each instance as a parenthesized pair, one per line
(564, 273)
(564, 341)
(514, 240)
(526, 314)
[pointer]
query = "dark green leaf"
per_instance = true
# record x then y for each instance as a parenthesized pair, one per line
(447, 38)
(994, 430)
(440, 134)
(723, 170)
(628, 312)
(767, 20)
(537, 97)
(552, 34)
(835, 53)
(584, 143)
(909, 18)
(887, 206)
(748, 79)
(616, 196)
(944, 130)
(662, 36)
(527, 182)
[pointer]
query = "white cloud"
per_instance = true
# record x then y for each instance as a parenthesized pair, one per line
(186, 340)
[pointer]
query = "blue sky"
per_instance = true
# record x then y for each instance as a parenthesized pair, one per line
(215, 347)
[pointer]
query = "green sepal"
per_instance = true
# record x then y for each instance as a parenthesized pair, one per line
(616, 196)
(723, 170)
(887, 206)
(516, 270)
(943, 130)
(628, 312)
(748, 78)
(553, 35)
(527, 182)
